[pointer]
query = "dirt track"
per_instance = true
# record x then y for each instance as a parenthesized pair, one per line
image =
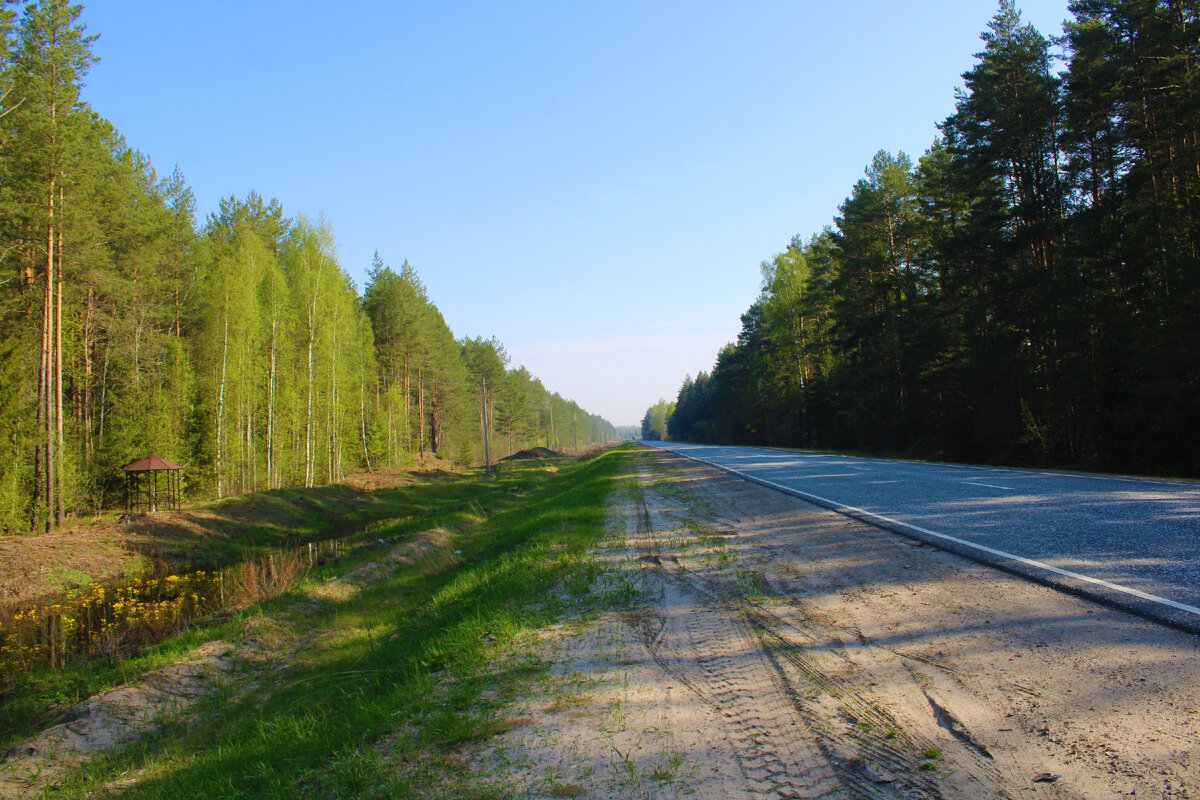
(780, 650)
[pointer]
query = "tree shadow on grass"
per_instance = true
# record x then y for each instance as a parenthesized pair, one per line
(411, 651)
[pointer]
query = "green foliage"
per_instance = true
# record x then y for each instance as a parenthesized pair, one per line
(413, 664)
(1025, 292)
(241, 351)
(655, 423)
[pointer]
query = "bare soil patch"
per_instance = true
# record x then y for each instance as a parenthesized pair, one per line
(112, 720)
(781, 650)
(432, 546)
(35, 566)
(533, 452)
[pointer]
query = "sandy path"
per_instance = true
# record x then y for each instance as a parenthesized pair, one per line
(780, 650)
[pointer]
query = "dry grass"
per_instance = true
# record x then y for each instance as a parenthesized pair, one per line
(262, 578)
(33, 567)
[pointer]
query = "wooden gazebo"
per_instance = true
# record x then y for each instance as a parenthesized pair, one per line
(142, 489)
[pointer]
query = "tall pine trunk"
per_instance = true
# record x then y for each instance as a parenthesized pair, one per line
(60, 512)
(103, 397)
(39, 449)
(420, 412)
(407, 404)
(48, 359)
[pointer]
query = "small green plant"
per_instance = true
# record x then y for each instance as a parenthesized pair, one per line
(667, 769)
(625, 761)
(751, 585)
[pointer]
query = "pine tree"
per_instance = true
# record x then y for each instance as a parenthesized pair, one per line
(879, 294)
(1135, 165)
(1004, 138)
(52, 56)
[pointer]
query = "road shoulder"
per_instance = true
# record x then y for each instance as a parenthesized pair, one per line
(778, 649)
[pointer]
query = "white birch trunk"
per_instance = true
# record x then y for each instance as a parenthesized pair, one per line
(312, 336)
(271, 406)
(221, 403)
(362, 402)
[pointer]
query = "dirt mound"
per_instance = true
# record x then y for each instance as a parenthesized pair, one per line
(433, 545)
(380, 479)
(111, 720)
(533, 452)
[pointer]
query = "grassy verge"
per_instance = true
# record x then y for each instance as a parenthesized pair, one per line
(367, 695)
(251, 526)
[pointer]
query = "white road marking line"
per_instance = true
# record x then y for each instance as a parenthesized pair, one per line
(1178, 484)
(989, 485)
(863, 469)
(842, 507)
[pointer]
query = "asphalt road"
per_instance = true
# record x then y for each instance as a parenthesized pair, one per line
(1128, 542)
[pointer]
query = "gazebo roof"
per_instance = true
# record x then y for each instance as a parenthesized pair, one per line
(151, 463)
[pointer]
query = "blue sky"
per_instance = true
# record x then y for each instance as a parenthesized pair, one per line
(595, 184)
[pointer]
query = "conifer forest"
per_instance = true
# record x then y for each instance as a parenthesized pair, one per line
(236, 346)
(1027, 291)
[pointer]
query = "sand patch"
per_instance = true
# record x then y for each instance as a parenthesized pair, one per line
(113, 719)
(781, 650)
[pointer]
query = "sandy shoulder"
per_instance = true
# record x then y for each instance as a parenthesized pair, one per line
(780, 650)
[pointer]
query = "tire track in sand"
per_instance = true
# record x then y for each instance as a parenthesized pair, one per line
(788, 743)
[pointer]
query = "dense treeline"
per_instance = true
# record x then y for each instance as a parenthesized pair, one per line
(239, 347)
(1027, 291)
(654, 424)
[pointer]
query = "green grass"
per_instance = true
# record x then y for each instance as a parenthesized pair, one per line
(359, 519)
(227, 531)
(40, 696)
(410, 668)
